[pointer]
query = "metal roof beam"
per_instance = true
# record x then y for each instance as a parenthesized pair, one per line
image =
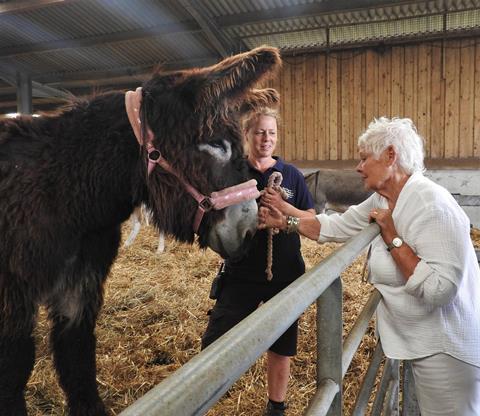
(39, 104)
(115, 78)
(304, 10)
(219, 41)
(38, 89)
(24, 93)
(180, 27)
(139, 73)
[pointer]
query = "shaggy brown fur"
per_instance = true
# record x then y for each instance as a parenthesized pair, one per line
(68, 181)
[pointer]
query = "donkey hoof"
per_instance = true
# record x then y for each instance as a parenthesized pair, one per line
(89, 410)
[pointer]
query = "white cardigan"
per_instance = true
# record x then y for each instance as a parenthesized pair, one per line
(438, 309)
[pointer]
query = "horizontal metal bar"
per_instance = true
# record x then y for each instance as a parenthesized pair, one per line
(467, 200)
(197, 385)
(323, 398)
(355, 336)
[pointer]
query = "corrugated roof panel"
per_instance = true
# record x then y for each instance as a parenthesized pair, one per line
(143, 53)
(28, 63)
(290, 40)
(85, 19)
(54, 61)
(219, 8)
(330, 20)
(152, 51)
(19, 29)
(297, 24)
(385, 30)
(400, 11)
(373, 24)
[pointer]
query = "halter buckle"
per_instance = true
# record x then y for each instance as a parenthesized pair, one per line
(206, 204)
(154, 155)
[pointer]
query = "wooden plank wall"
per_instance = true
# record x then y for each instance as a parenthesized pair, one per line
(329, 99)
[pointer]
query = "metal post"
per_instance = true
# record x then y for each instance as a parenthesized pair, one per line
(382, 387)
(391, 404)
(352, 341)
(410, 405)
(329, 341)
(24, 93)
(361, 403)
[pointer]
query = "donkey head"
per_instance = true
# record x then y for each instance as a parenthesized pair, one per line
(193, 118)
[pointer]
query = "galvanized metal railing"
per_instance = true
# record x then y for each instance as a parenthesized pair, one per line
(201, 382)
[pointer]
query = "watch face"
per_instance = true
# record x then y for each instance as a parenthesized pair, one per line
(397, 242)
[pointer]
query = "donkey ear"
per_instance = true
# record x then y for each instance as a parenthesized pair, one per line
(256, 99)
(231, 78)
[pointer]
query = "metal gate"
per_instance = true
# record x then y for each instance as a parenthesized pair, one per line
(200, 383)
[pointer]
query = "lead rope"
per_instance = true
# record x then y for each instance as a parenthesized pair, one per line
(274, 182)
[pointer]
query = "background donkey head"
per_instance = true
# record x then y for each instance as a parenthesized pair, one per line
(194, 117)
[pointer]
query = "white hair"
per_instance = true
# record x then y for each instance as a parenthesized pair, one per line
(401, 134)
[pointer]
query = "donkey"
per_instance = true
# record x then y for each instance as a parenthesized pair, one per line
(141, 214)
(335, 190)
(68, 181)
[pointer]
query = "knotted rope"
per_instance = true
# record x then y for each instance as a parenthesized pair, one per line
(274, 182)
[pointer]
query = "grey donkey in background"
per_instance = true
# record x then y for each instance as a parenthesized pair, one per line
(335, 190)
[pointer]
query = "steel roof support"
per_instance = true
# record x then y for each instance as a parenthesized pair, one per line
(24, 93)
(218, 40)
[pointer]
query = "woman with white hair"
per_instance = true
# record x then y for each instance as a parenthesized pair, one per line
(423, 263)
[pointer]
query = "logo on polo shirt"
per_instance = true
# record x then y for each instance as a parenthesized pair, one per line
(290, 194)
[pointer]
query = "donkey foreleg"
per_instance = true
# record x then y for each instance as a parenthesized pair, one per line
(17, 355)
(136, 225)
(17, 350)
(73, 347)
(73, 309)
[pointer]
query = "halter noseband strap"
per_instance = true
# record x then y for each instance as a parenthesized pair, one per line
(218, 200)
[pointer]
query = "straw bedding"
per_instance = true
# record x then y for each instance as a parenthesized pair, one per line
(154, 314)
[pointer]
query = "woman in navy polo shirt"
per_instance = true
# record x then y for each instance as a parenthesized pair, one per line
(244, 284)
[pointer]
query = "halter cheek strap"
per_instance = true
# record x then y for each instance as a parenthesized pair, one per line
(218, 200)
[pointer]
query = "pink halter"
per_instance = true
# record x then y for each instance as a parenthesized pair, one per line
(218, 200)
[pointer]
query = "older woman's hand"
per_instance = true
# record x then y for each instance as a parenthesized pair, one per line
(270, 217)
(383, 217)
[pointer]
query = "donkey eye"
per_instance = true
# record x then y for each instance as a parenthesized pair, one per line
(218, 145)
(220, 150)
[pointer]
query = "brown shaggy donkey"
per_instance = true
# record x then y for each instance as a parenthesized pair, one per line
(68, 181)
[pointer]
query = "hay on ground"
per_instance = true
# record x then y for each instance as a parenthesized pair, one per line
(154, 314)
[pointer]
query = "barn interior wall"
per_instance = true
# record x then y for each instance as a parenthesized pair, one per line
(328, 99)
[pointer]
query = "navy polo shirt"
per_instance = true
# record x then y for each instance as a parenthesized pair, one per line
(288, 263)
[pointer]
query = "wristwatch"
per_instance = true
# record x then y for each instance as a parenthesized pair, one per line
(396, 243)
